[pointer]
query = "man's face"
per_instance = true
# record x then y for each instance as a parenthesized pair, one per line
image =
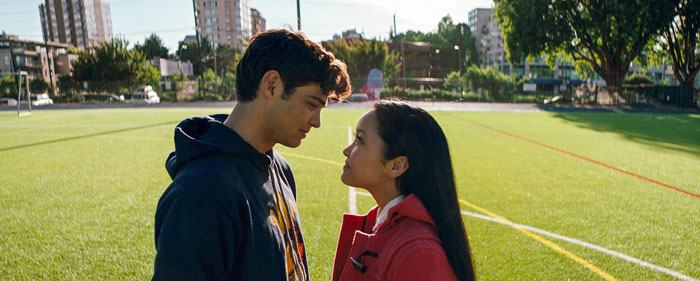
(293, 117)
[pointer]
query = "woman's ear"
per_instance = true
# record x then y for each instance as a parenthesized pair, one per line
(397, 166)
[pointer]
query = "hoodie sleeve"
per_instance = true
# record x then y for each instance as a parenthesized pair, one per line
(195, 240)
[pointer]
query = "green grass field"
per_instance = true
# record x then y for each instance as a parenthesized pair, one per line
(79, 189)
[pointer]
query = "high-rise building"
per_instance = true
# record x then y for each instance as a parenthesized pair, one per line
(488, 37)
(81, 23)
(257, 21)
(223, 21)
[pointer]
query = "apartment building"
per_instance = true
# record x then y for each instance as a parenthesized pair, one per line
(38, 59)
(490, 41)
(223, 21)
(257, 21)
(80, 23)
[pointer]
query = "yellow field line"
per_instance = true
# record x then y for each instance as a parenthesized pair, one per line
(538, 238)
(546, 242)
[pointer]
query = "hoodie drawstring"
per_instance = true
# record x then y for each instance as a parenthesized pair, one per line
(290, 233)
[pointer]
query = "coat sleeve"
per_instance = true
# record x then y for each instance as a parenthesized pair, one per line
(194, 240)
(428, 263)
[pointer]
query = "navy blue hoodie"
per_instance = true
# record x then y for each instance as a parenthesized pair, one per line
(230, 212)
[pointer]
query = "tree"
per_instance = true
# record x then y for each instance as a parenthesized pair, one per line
(148, 75)
(190, 51)
(38, 85)
(226, 59)
(210, 80)
(229, 83)
(603, 35)
(681, 41)
(153, 47)
(112, 67)
(447, 36)
(453, 81)
(8, 87)
(361, 56)
(66, 84)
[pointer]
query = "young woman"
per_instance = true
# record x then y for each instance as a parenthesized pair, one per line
(400, 155)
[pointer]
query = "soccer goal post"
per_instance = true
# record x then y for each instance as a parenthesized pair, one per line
(23, 92)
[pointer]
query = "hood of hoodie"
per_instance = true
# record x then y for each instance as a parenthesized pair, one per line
(206, 136)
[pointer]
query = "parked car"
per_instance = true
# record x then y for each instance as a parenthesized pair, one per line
(359, 97)
(39, 100)
(8, 101)
(145, 95)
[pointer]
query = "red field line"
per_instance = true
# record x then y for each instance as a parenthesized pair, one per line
(577, 156)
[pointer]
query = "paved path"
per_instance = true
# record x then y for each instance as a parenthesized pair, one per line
(433, 106)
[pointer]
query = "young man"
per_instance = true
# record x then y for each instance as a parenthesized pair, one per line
(230, 212)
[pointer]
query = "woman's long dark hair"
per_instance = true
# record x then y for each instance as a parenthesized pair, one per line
(410, 131)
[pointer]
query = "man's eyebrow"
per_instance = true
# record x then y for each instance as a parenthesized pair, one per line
(321, 101)
(360, 131)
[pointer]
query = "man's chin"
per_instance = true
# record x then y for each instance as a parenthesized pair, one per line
(291, 144)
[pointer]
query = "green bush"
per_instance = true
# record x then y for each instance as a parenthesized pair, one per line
(454, 81)
(499, 86)
(638, 79)
(168, 96)
(412, 94)
(211, 96)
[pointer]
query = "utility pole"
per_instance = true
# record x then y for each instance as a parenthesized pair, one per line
(199, 48)
(216, 72)
(403, 59)
(298, 17)
(403, 63)
(394, 24)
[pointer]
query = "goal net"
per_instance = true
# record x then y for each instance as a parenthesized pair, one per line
(24, 100)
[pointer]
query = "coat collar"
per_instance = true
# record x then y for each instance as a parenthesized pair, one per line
(358, 226)
(410, 207)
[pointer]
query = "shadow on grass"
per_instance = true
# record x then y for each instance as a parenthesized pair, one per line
(679, 132)
(87, 136)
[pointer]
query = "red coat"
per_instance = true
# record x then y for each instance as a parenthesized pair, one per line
(404, 247)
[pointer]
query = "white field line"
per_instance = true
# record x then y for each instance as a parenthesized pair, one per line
(352, 196)
(585, 244)
(575, 241)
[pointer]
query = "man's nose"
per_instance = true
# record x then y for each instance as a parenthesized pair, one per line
(316, 120)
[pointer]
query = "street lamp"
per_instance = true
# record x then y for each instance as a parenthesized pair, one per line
(459, 52)
(179, 58)
(461, 86)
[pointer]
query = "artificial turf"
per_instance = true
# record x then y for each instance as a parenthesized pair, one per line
(79, 190)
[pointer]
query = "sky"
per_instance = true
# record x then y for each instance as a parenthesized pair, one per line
(171, 20)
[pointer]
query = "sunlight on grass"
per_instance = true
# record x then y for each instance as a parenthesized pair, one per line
(80, 187)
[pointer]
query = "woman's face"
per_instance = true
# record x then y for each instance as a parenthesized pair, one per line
(364, 166)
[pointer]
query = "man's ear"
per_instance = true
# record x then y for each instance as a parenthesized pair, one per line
(397, 166)
(270, 84)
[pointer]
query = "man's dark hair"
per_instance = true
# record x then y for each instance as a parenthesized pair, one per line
(298, 60)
